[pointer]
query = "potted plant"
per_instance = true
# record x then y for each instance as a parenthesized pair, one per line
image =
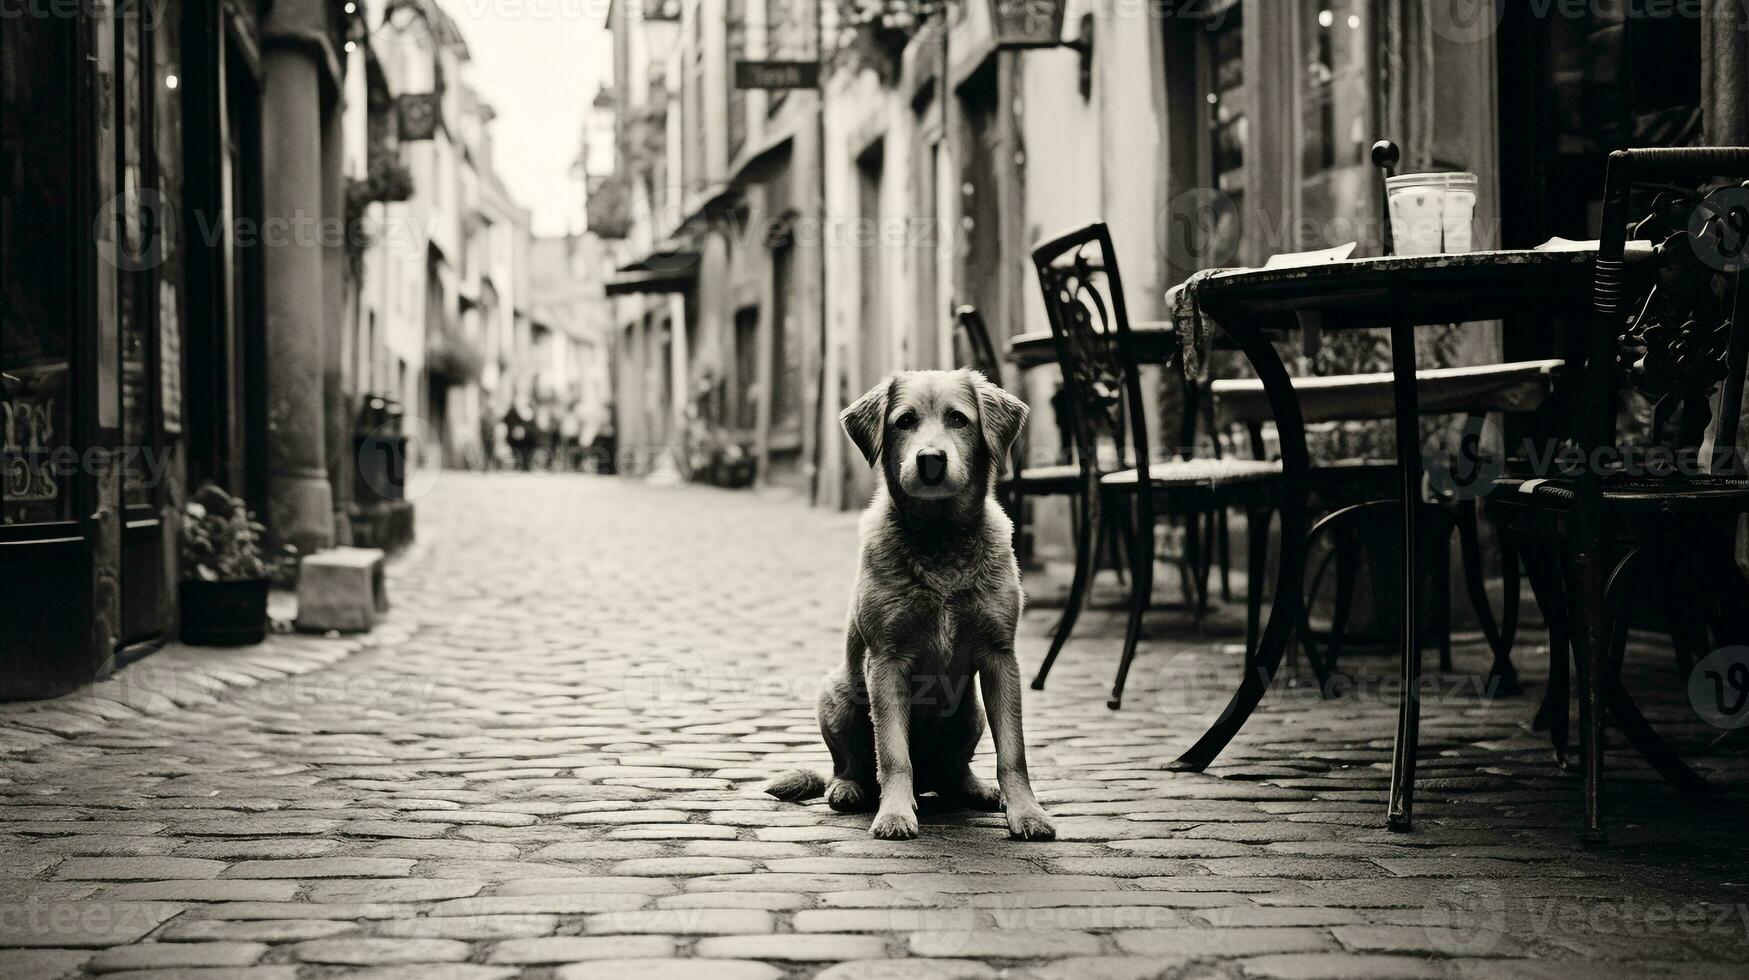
(224, 573)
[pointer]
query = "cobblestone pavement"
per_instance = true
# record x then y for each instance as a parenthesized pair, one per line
(547, 763)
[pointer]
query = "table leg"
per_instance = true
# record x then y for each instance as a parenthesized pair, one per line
(1400, 815)
(1284, 612)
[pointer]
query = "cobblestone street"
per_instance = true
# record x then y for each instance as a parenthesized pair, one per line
(548, 763)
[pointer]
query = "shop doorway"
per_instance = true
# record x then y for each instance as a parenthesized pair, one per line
(1572, 89)
(48, 551)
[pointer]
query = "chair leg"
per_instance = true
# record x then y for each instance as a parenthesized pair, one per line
(1509, 584)
(1502, 676)
(1141, 593)
(1207, 537)
(1117, 535)
(1257, 550)
(1588, 621)
(1400, 807)
(1347, 569)
(1190, 582)
(1442, 593)
(1086, 558)
(1224, 549)
(1321, 662)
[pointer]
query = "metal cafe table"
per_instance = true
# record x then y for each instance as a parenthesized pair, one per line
(1249, 306)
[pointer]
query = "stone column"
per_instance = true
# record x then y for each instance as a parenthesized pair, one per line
(340, 320)
(300, 504)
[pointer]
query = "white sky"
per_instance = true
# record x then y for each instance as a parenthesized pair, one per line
(538, 63)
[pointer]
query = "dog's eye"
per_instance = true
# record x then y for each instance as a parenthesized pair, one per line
(906, 421)
(956, 419)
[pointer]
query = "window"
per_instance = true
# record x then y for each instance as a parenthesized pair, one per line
(737, 97)
(37, 309)
(1337, 184)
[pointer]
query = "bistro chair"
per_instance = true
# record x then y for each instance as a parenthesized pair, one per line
(1589, 536)
(1018, 480)
(1090, 326)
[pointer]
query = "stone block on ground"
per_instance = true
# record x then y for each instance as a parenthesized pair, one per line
(341, 589)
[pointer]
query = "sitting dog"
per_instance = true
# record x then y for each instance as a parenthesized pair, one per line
(937, 599)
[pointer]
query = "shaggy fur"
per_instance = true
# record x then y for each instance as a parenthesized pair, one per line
(936, 601)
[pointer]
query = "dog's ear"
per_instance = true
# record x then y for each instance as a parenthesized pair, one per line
(866, 420)
(1000, 414)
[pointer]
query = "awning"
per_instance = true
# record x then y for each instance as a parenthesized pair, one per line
(670, 268)
(653, 281)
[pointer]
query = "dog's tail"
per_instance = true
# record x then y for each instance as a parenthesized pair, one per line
(797, 785)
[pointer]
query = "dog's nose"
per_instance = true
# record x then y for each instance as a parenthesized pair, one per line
(932, 466)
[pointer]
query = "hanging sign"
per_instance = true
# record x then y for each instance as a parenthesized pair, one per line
(777, 74)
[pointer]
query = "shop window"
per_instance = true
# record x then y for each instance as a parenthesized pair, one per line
(1227, 122)
(37, 258)
(1337, 122)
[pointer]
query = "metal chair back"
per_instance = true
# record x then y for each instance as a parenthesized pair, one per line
(1690, 333)
(981, 354)
(1090, 324)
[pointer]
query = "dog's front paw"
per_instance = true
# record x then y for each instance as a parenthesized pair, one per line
(894, 826)
(1030, 823)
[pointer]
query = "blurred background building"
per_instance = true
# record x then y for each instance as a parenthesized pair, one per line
(236, 237)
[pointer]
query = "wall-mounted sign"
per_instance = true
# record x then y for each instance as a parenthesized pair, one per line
(1027, 23)
(416, 115)
(777, 74)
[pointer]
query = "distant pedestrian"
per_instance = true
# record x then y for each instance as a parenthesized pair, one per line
(571, 437)
(519, 433)
(605, 446)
